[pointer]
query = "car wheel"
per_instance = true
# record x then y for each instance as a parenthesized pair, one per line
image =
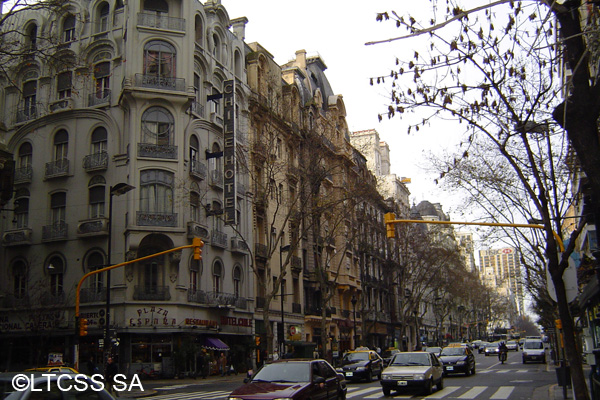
(468, 372)
(524, 361)
(386, 391)
(341, 396)
(473, 370)
(440, 384)
(429, 387)
(369, 376)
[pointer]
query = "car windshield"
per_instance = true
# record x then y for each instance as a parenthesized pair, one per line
(433, 349)
(356, 357)
(453, 351)
(533, 345)
(492, 345)
(284, 372)
(389, 353)
(410, 359)
(511, 343)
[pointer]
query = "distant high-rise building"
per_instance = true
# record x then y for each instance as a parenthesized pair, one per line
(501, 269)
(465, 243)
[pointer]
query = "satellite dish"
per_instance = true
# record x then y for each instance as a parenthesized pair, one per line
(569, 278)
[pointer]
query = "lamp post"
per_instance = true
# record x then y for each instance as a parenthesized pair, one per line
(282, 339)
(460, 320)
(354, 301)
(451, 335)
(117, 190)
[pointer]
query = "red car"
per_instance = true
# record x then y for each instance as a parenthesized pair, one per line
(293, 379)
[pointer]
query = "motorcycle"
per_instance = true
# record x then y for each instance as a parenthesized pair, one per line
(502, 356)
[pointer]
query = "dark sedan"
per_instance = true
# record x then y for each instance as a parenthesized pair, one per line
(293, 379)
(362, 364)
(458, 360)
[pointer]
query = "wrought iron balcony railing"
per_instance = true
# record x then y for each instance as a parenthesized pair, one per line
(96, 162)
(151, 293)
(160, 22)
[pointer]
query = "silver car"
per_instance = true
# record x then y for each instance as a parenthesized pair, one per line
(413, 369)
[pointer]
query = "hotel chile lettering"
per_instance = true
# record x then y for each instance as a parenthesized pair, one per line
(229, 152)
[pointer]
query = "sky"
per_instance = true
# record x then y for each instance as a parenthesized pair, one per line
(337, 30)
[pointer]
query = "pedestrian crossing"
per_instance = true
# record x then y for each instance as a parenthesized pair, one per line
(374, 392)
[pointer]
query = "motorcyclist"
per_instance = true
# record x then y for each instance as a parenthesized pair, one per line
(502, 351)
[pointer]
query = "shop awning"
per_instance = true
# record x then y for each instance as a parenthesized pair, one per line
(214, 344)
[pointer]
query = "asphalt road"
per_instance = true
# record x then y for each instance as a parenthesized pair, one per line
(493, 381)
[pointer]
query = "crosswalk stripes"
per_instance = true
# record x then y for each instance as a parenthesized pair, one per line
(473, 392)
(208, 395)
(502, 393)
(440, 394)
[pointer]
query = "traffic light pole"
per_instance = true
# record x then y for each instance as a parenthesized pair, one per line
(197, 245)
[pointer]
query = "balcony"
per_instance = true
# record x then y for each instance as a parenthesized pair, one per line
(49, 298)
(92, 295)
(55, 232)
(261, 250)
(197, 296)
(168, 152)
(238, 246)
(159, 82)
(99, 98)
(17, 237)
(95, 162)
(24, 174)
(197, 109)
(160, 22)
(57, 169)
(216, 179)
(27, 114)
(153, 293)
(296, 264)
(218, 239)
(196, 229)
(61, 105)
(219, 299)
(156, 219)
(197, 169)
(93, 227)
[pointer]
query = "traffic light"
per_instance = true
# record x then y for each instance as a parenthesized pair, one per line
(389, 226)
(83, 326)
(257, 340)
(558, 324)
(197, 243)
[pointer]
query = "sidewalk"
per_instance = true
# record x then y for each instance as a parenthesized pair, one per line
(135, 393)
(555, 392)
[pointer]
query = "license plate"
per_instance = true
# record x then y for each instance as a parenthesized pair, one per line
(402, 383)
(450, 368)
(348, 373)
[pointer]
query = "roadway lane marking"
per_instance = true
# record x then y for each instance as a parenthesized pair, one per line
(172, 387)
(440, 394)
(485, 371)
(503, 371)
(363, 391)
(473, 393)
(502, 393)
(193, 395)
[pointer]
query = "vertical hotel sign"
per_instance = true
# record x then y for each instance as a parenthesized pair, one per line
(229, 153)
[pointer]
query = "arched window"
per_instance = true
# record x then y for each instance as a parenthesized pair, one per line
(195, 211)
(93, 262)
(61, 145)
(237, 280)
(97, 195)
(195, 272)
(102, 78)
(157, 123)
(238, 64)
(58, 210)
(32, 36)
(216, 50)
(159, 59)
(69, 28)
(99, 140)
(217, 276)
(156, 194)
(64, 84)
(21, 206)
(103, 14)
(29, 95)
(19, 275)
(199, 29)
(56, 270)
(25, 155)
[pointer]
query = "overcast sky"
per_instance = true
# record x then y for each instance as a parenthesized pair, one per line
(337, 30)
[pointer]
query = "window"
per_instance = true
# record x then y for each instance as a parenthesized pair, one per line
(103, 17)
(195, 270)
(156, 194)
(22, 208)
(29, 97)
(215, 162)
(159, 59)
(151, 277)
(99, 138)
(197, 91)
(194, 152)
(64, 83)
(157, 125)
(195, 206)
(94, 262)
(216, 47)
(217, 276)
(32, 36)
(25, 156)
(69, 29)
(19, 279)
(198, 28)
(58, 208)
(102, 77)
(56, 269)
(61, 145)
(237, 280)
(157, 6)
(96, 194)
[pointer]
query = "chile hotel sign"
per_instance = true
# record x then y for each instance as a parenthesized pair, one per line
(229, 125)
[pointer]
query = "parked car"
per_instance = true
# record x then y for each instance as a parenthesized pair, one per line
(45, 386)
(293, 379)
(533, 350)
(413, 369)
(458, 360)
(388, 355)
(492, 349)
(362, 364)
(435, 350)
(512, 345)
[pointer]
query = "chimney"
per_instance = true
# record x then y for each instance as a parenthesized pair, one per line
(301, 59)
(239, 27)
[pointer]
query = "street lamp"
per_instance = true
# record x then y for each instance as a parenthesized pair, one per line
(117, 190)
(354, 301)
(282, 339)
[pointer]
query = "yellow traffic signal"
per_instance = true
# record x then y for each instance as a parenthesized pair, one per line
(83, 327)
(197, 243)
(390, 227)
(558, 323)
(257, 340)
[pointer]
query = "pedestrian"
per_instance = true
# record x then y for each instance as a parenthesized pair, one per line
(223, 364)
(91, 366)
(111, 371)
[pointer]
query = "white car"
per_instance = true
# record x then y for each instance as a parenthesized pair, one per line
(413, 369)
(512, 345)
(533, 350)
